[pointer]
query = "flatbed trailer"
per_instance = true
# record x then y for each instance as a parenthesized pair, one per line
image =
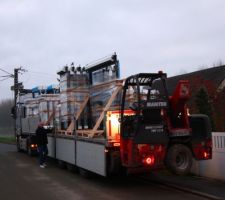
(104, 125)
(83, 153)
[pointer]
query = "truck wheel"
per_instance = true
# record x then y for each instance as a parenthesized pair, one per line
(179, 159)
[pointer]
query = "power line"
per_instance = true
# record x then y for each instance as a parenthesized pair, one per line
(6, 72)
(5, 78)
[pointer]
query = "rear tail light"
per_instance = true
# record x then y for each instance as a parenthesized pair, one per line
(208, 149)
(150, 160)
(33, 145)
(206, 155)
(116, 144)
(203, 151)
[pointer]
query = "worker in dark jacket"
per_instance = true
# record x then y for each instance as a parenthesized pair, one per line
(42, 141)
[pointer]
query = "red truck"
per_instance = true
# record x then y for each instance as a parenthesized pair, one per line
(113, 125)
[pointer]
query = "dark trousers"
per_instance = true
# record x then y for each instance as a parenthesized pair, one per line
(43, 152)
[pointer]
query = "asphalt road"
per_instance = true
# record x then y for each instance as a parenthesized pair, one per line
(22, 179)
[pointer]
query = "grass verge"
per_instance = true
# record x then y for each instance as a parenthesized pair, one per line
(8, 139)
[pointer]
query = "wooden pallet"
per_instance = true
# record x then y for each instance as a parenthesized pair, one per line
(89, 133)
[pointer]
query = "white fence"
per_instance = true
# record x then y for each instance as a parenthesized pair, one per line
(214, 168)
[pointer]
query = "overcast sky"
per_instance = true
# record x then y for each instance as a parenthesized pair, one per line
(170, 35)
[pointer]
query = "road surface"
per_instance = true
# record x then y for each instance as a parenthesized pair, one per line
(22, 179)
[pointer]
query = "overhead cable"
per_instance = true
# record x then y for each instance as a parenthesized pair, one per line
(5, 71)
(4, 79)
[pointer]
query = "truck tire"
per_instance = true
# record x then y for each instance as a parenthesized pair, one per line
(179, 159)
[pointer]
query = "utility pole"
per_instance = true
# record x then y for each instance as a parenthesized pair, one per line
(17, 86)
(16, 70)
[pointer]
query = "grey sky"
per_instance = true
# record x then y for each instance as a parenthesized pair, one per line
(148, 36)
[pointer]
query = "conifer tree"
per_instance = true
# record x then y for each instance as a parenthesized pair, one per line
(204, 105)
